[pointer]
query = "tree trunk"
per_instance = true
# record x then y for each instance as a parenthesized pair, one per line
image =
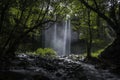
(111, 54)
(89, 37)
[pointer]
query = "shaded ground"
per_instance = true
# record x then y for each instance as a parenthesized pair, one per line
(36, 68)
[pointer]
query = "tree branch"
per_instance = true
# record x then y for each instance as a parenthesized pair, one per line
(107, 19)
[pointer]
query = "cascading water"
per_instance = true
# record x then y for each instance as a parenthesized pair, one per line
(69, 36)
(65, 38)
(55, 36)
(58, 37)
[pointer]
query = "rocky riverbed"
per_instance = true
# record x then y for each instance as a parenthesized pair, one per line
(28, 67)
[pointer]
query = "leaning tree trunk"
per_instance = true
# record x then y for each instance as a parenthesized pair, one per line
(111, 54)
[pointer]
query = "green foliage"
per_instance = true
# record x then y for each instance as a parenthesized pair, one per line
(45, 52)
(96, 53)
(29, 17)
(98, 41)
(26, 19)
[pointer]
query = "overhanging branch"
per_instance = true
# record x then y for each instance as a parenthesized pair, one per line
(107, 19)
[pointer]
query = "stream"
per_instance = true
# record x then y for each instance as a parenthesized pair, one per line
(27, 67)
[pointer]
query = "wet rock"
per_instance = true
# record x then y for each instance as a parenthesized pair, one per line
(58, 74)
(22, 75)
(7, 75)
(116, 70)
(40, 77)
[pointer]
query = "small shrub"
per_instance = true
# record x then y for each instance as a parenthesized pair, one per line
(45, 52)
(40, 51)
(49, 51)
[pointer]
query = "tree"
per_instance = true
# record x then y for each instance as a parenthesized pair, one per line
(109, 10)
(21, 18)
(89, 36)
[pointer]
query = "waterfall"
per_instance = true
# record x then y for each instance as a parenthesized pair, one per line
(54, 36)
(69, 37)
(65, 39)
(58, 37)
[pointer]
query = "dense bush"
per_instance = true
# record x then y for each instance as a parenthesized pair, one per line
(45, 52)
